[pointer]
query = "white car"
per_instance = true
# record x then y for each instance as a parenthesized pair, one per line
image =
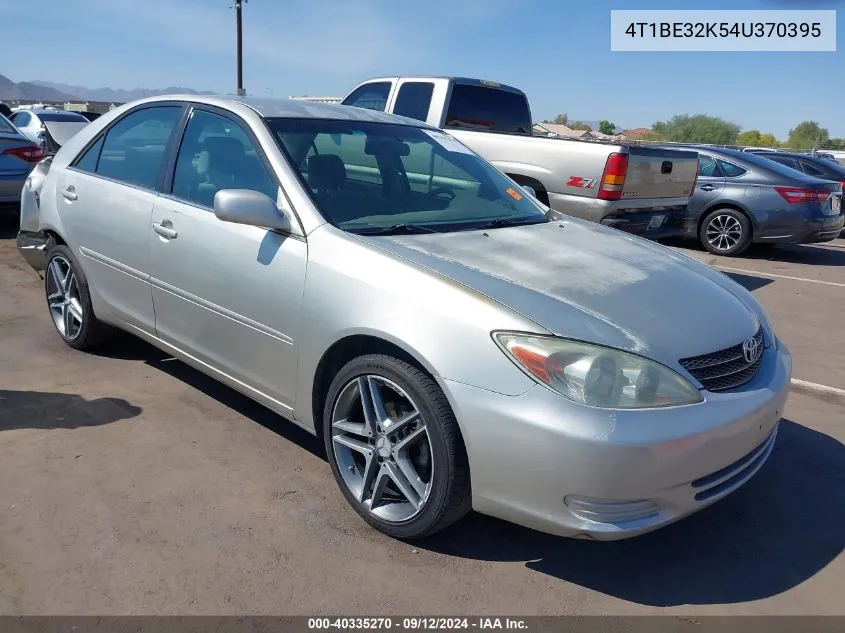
(50, 129)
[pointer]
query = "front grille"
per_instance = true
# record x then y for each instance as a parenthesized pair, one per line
(725, 369)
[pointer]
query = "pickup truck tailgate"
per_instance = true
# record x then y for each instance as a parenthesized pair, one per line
(659, 173)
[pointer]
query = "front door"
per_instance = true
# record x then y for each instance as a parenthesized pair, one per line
(229, 295)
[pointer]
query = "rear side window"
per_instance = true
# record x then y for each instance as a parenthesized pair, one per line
(133, 148)
(488, 109)
(707, 167)
(812, 170)
(731, 170)
(370, 96)
(787, 162)
(414, 99)
(88, 160)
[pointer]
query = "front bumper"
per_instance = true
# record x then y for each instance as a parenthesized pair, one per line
(33, 248)
(546, 463)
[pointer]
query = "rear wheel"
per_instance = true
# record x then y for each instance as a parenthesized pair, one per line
(69, 301)
(394, 447)
(725, 232)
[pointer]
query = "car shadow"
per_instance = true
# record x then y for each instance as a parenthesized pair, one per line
(9, 221)
(774, 533)
(810, 254)
(780, 529)
(47, 410)
(750, 282)
(127, 347)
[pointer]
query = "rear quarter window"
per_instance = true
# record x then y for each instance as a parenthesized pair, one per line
(488, 109)
(730, 170)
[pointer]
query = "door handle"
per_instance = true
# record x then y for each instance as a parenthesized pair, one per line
(707, 187)
(164, 231)
(70, 193)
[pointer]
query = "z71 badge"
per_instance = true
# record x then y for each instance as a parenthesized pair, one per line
(578, 181)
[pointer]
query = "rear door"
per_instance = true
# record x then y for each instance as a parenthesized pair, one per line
(106, 199)
(710, 186)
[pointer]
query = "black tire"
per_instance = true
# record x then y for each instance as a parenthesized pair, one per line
(449, 498)
(735, 238)
(92, 332)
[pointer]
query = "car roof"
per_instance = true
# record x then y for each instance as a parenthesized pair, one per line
(288, 108)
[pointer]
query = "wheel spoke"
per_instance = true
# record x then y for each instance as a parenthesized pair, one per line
(372, 403)
(379, 487)
(406, 488)
(56, 274)
(75, 311)
(355, 445)
(401, 423)
(67, 320)
(356, 428)
(408, 441)
(371, 470)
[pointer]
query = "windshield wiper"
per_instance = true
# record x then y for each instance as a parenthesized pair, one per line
(503, 222)
(397, 229)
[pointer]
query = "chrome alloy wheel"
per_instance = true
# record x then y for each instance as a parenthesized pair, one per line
(63, 298)
(724, 232)
(382, 448)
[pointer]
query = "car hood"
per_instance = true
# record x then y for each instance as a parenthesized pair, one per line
(581, 280)
(62, 131)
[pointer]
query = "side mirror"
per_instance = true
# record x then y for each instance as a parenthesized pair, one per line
(253, 208)
(529, 190)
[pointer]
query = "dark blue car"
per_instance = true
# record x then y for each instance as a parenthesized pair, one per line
(743, 198)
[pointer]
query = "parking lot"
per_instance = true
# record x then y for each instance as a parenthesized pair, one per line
(133, 484)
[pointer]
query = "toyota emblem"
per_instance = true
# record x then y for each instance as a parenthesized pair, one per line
(751, 349)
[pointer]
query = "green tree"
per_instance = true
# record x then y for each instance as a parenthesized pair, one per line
(768, 140)
(606, 127)
(697, 128)
(806, 135)
(580, 125)
(748, 137)
(560, 119)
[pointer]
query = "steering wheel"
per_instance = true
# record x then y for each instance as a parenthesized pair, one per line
(441, 191)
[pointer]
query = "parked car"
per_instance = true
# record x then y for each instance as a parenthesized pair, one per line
(454, 343)
(817, 166)
(48, 128)
(91, 116)
(638, 189)
(743, 198)
(18, 155)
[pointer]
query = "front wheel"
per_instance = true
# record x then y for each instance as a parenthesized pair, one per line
(395, 448)
(725, 232)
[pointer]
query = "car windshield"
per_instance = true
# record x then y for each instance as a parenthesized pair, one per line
(367, 177)
(61, 116)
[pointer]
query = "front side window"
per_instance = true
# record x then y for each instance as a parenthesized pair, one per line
(216, 153)
(378, 178)
(370, 96)
(133, 148)
(414, 99)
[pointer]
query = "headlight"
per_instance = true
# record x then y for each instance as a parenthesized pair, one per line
(597, 376)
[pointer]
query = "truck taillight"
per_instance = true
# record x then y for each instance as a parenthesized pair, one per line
(29, 154)
(796, 195)
(613, 177)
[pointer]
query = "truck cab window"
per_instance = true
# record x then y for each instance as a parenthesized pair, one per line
(413, 99)
(370, 96)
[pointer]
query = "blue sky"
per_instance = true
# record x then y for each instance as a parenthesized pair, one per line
(557, 51)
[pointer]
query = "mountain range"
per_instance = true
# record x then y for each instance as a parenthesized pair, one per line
(52, 91)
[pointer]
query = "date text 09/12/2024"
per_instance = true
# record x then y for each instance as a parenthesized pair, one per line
(414, 623)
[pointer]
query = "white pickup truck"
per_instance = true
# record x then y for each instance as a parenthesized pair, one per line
(635, 188)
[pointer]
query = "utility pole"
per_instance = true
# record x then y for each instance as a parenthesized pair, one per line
(240, 61)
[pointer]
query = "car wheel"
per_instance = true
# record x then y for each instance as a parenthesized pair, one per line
(69, 301)
(395, 448)
(725, 232)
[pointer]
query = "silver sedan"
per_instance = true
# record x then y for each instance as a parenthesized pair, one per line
(455, 344)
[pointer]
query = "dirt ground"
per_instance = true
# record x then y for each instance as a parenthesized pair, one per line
(132, 484)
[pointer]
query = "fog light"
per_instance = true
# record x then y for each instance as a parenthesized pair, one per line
(603, 511)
